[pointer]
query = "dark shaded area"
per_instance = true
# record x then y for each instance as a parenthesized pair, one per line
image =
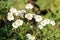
(35, 5)
(57, 11)
(40, 12)
(2, 23)
(34, 0)
(44, 12)
(33, 22)
(6, 33)
(29, 31)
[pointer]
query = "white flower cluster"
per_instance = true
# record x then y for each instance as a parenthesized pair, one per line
(30, 37)
(29, 16)
(45, 22)
(13, 12)
(17, 23)
(20, 13)
(37, 18)
(10, 16)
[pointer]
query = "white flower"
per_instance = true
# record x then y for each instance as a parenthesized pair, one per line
(52, 22)
(38, 18)
(28, 36)
(19, 11)
(47, 21)
(23, 11)
(29, 6)
(14, 39)
(9, 13)
(40, 27)
(16, 13)
(31, 38)
(13, 10)
(19, 22)
(14, 25)
(10, 17)
(20, 14)
(29, 16)
(43, 23)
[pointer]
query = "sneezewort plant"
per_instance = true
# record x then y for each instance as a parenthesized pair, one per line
(31, 26)
(29, 16)
(22, 15)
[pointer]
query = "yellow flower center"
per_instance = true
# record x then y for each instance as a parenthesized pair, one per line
(10, 16)
(28, 15)
(38, 17)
